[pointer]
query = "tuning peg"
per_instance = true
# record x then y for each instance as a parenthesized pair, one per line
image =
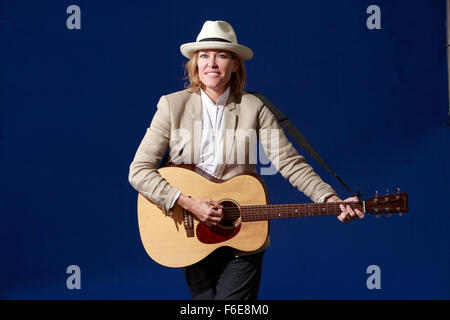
(400, 214)
(376, 193)
(387, 191)
(388, 215)
(377, 216)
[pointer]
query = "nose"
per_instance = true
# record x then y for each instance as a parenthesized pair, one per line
(212, 61)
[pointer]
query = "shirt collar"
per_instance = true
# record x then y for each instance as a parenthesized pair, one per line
(221, 101)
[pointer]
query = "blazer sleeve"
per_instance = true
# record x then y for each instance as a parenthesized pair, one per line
(291, 165)
(143, 174)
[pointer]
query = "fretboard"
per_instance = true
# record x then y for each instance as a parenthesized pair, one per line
(279, 211)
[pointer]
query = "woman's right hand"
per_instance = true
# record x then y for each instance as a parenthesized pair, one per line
(207, 211)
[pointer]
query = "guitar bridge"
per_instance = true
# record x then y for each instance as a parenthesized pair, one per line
(188, 222)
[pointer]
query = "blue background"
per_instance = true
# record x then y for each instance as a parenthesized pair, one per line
(76, 103)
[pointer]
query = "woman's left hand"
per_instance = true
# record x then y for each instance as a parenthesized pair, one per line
(347, 214)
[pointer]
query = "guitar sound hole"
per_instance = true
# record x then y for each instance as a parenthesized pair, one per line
(231, 214)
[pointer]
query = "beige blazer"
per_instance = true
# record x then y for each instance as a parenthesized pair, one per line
(177, 125)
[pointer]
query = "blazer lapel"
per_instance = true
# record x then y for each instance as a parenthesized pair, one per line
(192, 121)
(230, 126)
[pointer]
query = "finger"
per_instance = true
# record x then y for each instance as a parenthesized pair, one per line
(210, 206)
(347, 212)
(215, 204)
(342, 216)
(344, 212)
(211, 220)
(350, 211)
(352, 199)
(215, 216)
(341, 219)
(218, 210)
(359, 213)
(215, 212)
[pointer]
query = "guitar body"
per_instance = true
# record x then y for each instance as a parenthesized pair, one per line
(166, 239)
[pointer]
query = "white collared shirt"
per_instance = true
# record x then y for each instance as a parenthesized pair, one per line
(212, 133)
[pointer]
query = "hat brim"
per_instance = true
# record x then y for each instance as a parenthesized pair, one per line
(188, 49)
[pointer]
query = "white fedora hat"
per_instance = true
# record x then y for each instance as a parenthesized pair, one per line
(216, 35)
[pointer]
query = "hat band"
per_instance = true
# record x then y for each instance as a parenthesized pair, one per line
(214, 39)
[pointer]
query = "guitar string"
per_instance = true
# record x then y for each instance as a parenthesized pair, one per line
(253, 211)
(256, 208)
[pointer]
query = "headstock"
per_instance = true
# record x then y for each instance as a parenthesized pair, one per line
(387, 204)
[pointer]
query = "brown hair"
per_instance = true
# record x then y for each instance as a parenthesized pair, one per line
(237, 80)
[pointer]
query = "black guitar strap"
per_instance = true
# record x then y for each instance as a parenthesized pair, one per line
(298, 137)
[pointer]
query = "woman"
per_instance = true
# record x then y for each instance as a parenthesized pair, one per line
(195, 124)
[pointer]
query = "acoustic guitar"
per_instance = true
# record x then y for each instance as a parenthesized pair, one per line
(179, 239)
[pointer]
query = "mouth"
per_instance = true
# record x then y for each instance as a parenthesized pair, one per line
(212, 74)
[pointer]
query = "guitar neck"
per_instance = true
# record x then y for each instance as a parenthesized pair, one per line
(280, 211)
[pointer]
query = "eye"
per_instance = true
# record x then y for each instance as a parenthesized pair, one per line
(203, 55)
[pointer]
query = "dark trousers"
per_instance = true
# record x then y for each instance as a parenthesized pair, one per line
(222, 276)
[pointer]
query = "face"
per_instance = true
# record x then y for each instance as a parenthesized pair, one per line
(215, 68)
